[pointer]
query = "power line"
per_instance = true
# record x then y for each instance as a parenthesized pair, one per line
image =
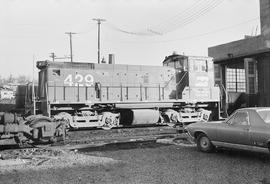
(192, 36)
(150, 31)
(193, 17)
(181, 14)
(189, 15)
(138, 33)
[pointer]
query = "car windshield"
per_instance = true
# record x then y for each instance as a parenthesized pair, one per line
(265, 115)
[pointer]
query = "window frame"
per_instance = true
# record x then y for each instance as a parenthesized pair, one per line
(232, 123)
(236, 80)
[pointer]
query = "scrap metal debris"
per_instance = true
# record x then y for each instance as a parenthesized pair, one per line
(46, 158)
(30, 153)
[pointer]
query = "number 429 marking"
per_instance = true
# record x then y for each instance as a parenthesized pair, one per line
(79, 79)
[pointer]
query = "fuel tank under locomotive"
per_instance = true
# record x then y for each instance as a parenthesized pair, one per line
(139, 117)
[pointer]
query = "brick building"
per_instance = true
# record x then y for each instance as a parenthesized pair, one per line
(242, 68)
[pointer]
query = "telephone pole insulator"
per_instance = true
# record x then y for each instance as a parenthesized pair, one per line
(99, 22)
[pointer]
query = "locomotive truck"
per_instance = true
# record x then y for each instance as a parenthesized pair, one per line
(86, 95)
(32, 130)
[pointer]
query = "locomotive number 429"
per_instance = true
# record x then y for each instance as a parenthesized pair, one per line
(79, 80)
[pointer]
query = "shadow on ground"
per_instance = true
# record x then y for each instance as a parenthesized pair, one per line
(124, 146)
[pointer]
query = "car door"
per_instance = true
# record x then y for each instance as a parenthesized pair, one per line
(235, 130)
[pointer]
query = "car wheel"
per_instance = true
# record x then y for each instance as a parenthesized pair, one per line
(204, 144)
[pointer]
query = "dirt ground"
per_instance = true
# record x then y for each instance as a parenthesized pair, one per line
(147, 162)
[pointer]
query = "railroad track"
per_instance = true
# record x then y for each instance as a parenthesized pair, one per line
(122, 134)
(96, 137)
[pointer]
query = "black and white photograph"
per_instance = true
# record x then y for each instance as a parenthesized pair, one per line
(135, 91)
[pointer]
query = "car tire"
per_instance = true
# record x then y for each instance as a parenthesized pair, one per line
(204, 144)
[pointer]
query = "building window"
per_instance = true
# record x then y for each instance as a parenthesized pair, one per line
(236, 81)
(217, 70)
(251, 83)
(251, 68)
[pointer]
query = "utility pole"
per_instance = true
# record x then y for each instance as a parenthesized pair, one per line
(33, 87)
(70, 44)
(53, 56)
(99, 22)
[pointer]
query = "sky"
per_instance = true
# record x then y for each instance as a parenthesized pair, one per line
(137, 31)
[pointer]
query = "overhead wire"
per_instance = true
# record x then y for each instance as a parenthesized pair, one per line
(192, 18)
(192, 13)
(185, 18)
(192, 36)
(138, 33)
(149, 31)
(187, 10)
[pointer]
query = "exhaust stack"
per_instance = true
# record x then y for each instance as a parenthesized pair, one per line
(111, 59)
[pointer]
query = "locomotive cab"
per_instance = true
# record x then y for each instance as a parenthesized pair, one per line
(195, 81)
(194, 77)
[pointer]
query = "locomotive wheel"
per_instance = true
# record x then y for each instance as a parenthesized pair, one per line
(61, 132)
(171, 117)
(39, 139)
(21, 140)
(110, 120)
(66, 117)
(108, 124)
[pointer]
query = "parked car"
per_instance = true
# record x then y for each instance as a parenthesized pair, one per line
(247, 128)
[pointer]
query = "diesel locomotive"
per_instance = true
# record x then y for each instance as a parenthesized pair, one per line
(112, 95)
(72, 95)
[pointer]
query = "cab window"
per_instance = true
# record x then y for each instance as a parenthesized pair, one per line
(199, 65)
(171, 64)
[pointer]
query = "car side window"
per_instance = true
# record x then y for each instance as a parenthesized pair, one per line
(230, 121)
(240, 118)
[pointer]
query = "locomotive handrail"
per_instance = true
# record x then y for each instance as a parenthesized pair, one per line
(181, 78)
(167, 83)
(153, 86)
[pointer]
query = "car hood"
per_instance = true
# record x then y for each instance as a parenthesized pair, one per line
(203, 126)
(208, 128)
